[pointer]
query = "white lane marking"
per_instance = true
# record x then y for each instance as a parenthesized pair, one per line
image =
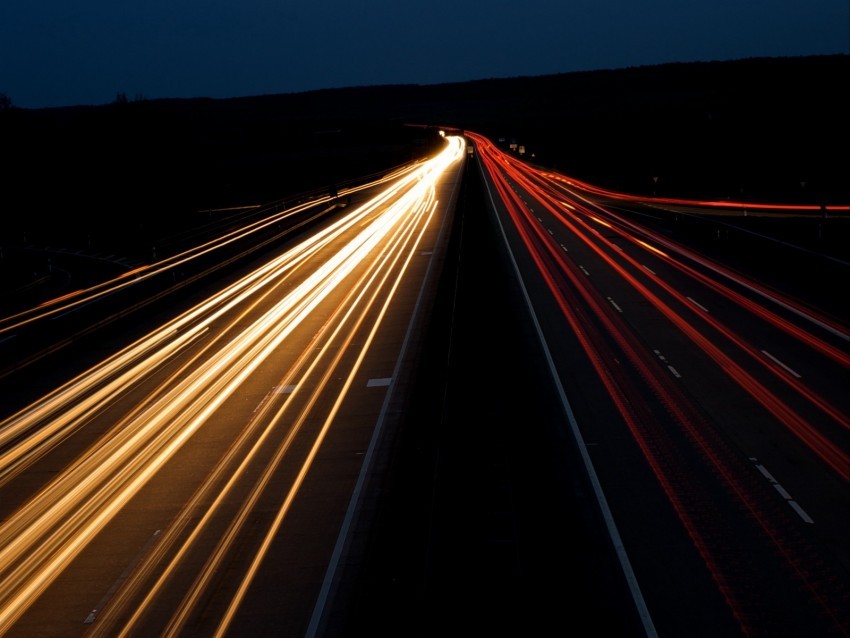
(375, 383)
(124, 575)
(649, 270)
(763, 470)
(565, 248)
(800, 512)
(584, 270)
(669, 367)
(618, 247)
(320, 605)
(698, 305)
(614, 303)
(778, 362)
(549, 230)
(613, 533)
(782, 491)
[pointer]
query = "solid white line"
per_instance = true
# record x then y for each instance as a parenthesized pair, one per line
(324, 595)
(778, 362)
(611, 525)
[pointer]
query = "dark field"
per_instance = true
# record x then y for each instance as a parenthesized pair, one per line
(125, 178)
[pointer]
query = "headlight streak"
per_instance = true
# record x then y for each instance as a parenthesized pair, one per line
(20, 424)
(46, 534)
(16, 426)
(75, 299)
(31, 417)
(552, 264)
(80, 297)
(192, 597)
(229, 615)
(348, 307)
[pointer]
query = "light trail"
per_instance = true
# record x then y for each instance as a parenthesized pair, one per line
(806, 432)
(404, 245)
(43, 537)
(192, 322)
(72, 300)
(711, 204)
(632, 231)
(596, 324)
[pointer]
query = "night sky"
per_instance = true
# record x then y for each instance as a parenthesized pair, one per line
(74, 52)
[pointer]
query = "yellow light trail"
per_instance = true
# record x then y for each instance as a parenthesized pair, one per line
(69, 301)
(38, 541)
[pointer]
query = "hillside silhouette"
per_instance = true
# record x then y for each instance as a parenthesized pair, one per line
(117, 177)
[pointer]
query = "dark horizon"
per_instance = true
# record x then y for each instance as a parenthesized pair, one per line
(67, 55)
(122, 97)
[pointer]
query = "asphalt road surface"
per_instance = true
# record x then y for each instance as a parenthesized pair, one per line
(486, 524)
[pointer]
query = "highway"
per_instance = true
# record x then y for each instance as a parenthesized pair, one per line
(480, 398)
(710, 412)
(201, 479)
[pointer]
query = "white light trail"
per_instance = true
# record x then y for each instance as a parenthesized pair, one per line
(38, 541)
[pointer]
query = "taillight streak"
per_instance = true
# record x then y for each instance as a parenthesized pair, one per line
(754, 352)
(550, 260)
(834, 457)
